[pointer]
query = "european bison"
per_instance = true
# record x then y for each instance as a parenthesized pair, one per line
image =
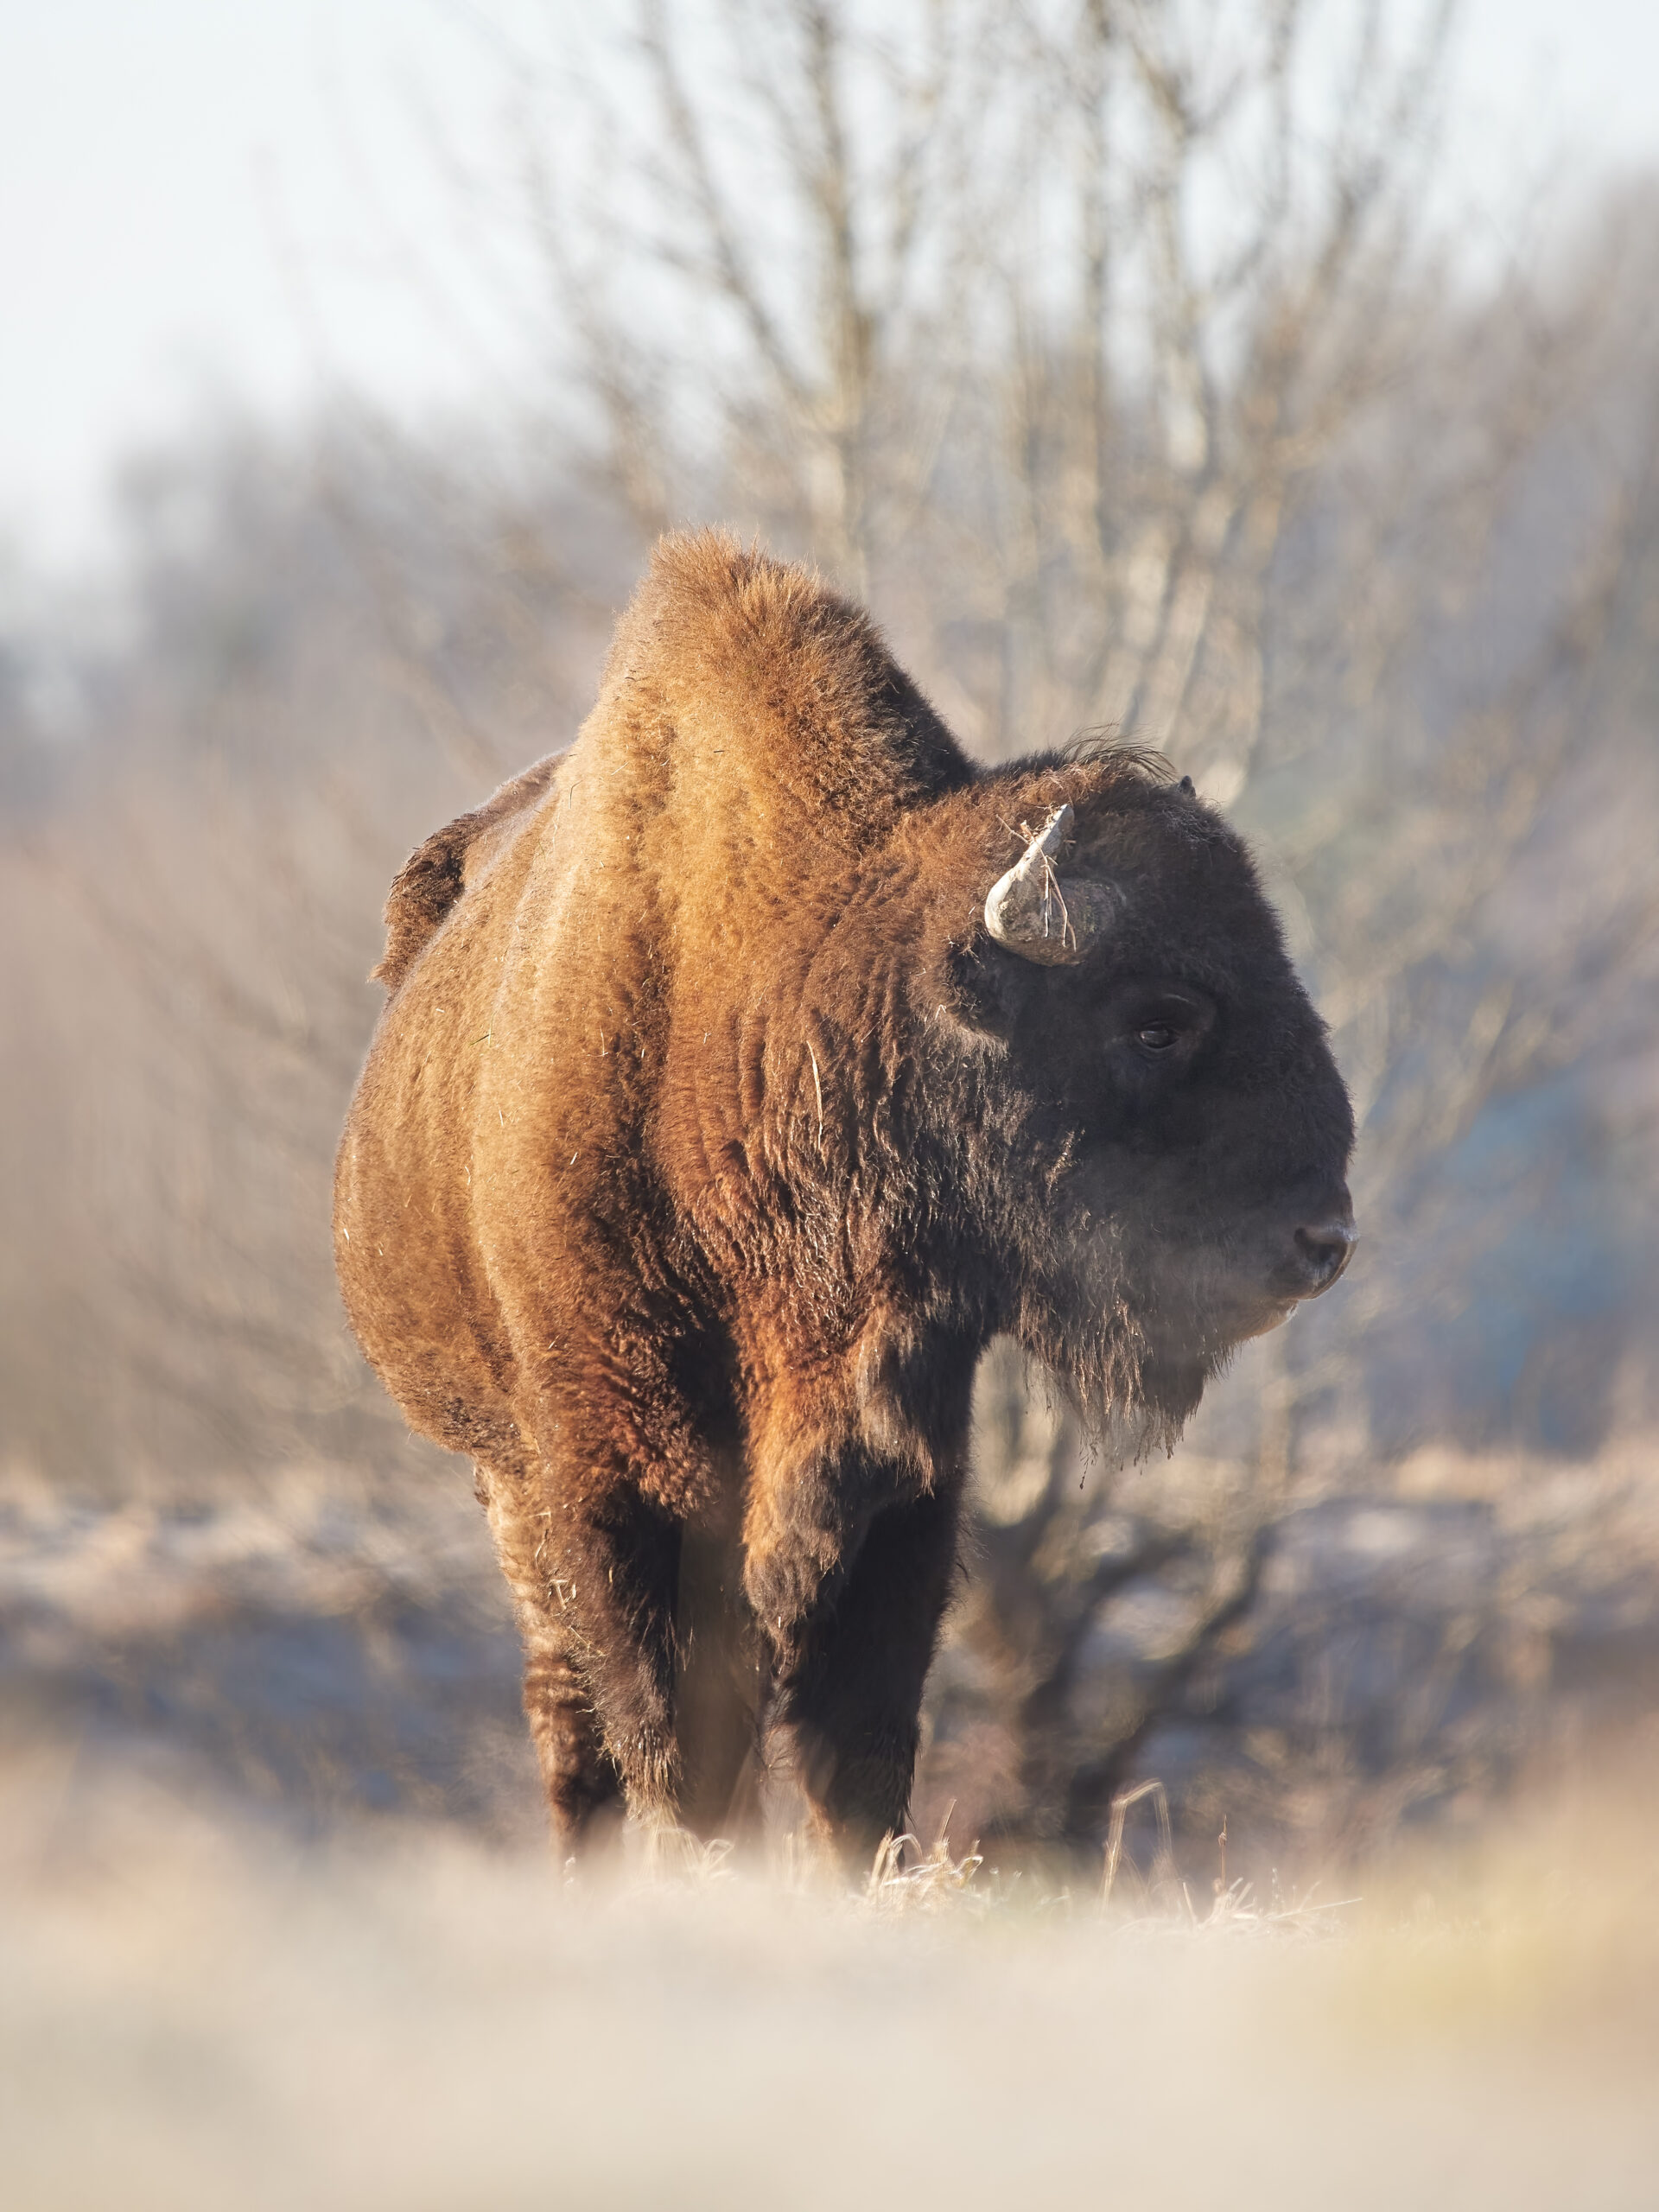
(747, 1068)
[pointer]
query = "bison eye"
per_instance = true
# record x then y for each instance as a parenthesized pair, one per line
(1160, 1024)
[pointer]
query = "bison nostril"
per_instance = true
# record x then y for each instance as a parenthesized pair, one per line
(1326, 1248)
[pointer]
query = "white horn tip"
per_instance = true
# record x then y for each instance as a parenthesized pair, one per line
(1059, 829)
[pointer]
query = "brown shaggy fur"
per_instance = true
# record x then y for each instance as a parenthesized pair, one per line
(704, 1141)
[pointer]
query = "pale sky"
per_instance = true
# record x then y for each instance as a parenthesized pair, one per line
(202, 201)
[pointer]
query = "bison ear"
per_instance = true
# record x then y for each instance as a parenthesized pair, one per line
(981, 997)
(1042, 915)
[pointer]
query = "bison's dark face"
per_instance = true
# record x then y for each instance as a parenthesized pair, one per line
(1176, 1132)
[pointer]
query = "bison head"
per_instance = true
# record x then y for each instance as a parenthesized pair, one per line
(1162, 1131)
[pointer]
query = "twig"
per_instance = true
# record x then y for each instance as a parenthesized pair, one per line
(1121, 1805)
(818, 1092)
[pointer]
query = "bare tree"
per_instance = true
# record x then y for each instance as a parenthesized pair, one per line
(333, 647)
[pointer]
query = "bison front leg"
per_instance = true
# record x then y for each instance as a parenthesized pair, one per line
(852, 1601)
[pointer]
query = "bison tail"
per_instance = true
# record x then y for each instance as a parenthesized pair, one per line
(422, 891)
(435, 874)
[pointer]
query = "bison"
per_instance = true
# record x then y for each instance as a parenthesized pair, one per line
(745, 1068)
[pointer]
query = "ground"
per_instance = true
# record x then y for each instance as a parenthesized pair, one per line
(196, 2013)
(280, 1924)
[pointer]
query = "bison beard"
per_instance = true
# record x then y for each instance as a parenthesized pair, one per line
(745, 1068)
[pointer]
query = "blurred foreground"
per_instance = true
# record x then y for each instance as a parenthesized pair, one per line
(196, 2012)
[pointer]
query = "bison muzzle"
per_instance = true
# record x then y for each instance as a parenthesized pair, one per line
(748, 1067)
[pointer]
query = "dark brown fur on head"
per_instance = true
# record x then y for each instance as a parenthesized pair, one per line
(709, 1134)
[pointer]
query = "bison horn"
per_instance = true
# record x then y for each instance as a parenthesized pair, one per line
(1038, 915)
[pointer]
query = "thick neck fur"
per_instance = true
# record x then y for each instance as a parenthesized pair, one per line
(900, 1132)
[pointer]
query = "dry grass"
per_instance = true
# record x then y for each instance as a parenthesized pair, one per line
(193, 2014)
(197, 2009)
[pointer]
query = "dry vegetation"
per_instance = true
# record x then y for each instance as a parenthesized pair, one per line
(190, 2016)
